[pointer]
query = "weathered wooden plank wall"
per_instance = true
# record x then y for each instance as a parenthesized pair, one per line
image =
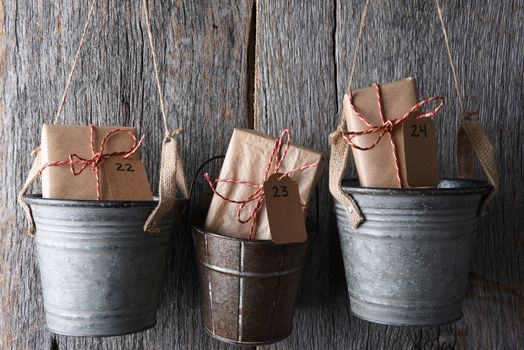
(298, 64)
(203, 52)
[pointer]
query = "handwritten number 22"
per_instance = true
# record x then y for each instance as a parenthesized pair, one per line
(124, 167)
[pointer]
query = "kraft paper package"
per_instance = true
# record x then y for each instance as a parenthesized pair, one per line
(414, 140)
(247, 159)
(120, 178)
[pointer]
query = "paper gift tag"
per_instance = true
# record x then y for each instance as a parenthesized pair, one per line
(420, 149)
(126, 179)
(284, 210)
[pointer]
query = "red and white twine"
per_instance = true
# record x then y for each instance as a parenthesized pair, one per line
(257, 196)
(387, 126)
(96, 157)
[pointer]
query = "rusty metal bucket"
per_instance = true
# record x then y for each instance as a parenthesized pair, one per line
(408, 263)
(248, 288)
(101, 273)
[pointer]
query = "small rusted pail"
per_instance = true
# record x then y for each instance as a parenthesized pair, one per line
(248, 288)
(408, 263)
(101, 273)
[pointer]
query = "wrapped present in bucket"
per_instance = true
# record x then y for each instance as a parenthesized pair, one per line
(239, 206)
(406, 253)
(394, 144)
(83, 228)
(92, 163)
(102, 240)
(257, 208)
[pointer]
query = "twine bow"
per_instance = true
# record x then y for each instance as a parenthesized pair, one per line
(78, 164)
(257, 196)
(388, 126)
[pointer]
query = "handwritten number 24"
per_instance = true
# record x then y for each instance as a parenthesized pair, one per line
(418, 130)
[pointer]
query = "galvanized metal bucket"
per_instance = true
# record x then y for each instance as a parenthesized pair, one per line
(248, 288)
(407, 264)
(101, 273)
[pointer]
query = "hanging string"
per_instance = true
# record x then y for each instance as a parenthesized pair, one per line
(450, 59)
(340, 148)
(75, 60)
(167, 131)
(464, 114)
(358, 43)
(471, 139)
(172, 176)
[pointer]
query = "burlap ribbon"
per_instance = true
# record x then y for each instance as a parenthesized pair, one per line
(172, 175)
(31, 178)
(337, 167)
(471, 139)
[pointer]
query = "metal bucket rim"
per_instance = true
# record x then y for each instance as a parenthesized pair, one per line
(464, 186)
(407, 324)
(36, 199)
(246, 343)
(202, 231)
(108, 335)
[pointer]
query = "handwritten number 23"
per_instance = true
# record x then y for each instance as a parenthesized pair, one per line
(280, 191)
(124, 167)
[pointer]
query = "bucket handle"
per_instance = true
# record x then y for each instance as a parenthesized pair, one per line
(212, 159)
(199, 170)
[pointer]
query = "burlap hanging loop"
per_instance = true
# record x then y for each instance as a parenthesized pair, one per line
(172, 175)
(31, 178)
(340, 148)
(337, 166)
(473, 141)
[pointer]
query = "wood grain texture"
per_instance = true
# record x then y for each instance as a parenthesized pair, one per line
(302, 50)
(202, 49)
(299, 63)
(296, 88)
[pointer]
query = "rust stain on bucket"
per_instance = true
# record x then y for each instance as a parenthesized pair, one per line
(248, 288)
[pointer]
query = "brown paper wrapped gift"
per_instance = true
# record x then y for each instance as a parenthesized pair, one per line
(414, 140)
(246, 159)
(120, 179)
